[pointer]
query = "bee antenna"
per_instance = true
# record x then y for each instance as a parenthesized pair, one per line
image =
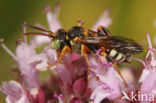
(51, 34)
(36, 33)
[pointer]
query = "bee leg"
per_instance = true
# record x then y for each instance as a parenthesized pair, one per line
(77, 39)
(84, 51)
(102, 31)
(65, 49)
(118, 71)
(115, 67)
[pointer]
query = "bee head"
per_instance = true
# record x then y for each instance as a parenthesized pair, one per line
(59, 40)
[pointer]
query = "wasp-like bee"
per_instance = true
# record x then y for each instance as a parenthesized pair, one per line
(84, 41)
(115, 48)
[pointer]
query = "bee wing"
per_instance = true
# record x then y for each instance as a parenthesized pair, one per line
(96, 40)
(121, 44)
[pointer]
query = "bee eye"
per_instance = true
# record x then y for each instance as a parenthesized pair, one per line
(55, 44)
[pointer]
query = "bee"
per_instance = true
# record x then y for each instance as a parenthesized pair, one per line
(114, 48)
(85, 41)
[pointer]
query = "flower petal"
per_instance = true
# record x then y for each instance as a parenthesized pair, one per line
(144, 75)
(100, 93)
(104, 20)
(15, 92)
(52, 18)
(105, 75)
(44, 60)
(24, 54)
(79, 86)
(148, 85)
(39, 40)
(38, 95)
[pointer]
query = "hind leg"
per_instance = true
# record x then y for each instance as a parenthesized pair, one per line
(84, 51)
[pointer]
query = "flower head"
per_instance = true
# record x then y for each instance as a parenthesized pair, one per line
(148, 77)
(105, 82)
(15, 92)
(26, 67)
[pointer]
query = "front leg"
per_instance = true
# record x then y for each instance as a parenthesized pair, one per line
(63, 52)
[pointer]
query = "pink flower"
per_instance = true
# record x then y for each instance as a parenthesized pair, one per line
(52, 18)
(45, 59)
(26, 67)
(29, 89)
(28, 72)
(148, 76)
(73, 78)
(105, 82)
(15, 92)
(79, 86)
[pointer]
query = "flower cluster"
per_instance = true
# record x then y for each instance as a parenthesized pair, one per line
(69, 82)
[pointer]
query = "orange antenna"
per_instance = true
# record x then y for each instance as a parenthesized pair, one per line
(51, 34)
(34, 33)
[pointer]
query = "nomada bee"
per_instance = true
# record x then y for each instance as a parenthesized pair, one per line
(84, 41)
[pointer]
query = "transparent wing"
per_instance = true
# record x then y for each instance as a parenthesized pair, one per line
(121, 44)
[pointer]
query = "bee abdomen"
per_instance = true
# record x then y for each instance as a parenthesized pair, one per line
(115, 56)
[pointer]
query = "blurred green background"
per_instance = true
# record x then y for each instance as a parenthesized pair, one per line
(131, 18)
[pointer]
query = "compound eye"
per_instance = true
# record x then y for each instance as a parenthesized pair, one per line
(55, 44)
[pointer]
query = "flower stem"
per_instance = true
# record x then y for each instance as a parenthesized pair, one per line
(7, 50)
(24, 31)
(141, 61)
